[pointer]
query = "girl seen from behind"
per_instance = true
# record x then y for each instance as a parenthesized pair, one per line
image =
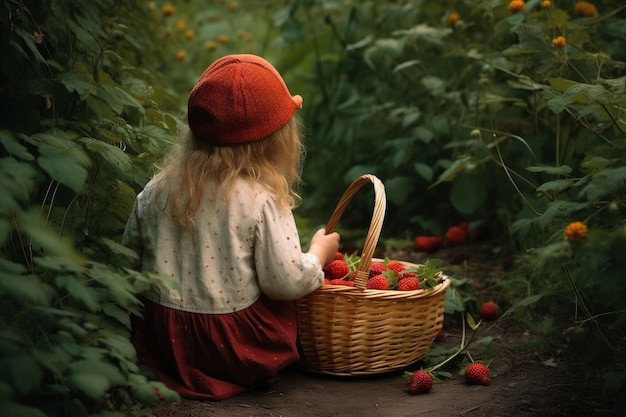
(217, 219)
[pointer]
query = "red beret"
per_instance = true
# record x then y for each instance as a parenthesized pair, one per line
(239, 99)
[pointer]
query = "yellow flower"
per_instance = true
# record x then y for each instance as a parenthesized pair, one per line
(517, 6)
(168, 10)
(546, 4)
(180, 55)
(232, 6)
(558, 42)
(585, 9)
(452, 18)
(575, 232)
(181, 25)
(189, 35)
(211, 45)
(223, 39)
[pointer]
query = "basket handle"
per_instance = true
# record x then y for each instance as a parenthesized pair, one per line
(373, 233)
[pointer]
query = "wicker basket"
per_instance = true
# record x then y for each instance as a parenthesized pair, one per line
(354, 331)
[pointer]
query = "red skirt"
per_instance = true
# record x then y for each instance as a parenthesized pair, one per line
(216, 356)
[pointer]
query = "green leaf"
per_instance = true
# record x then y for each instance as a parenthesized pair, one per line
(116, 312)
(24, 289)
(433, 84)
(62, 167)
(555, 186)
(471, 322)
(13, 147)
(94, 378)
(119, 160)
(17, 179)
(406, 64)
(560, 170)
(397, 189)
(120, 290)
(594, 163)
(78, 83)
(119, 99)
(425, 171)
(426, 32)
(49, 240)
(605, 182)
(469, 191)
(451, 172)
(119, 345)
(78, 291)
(559, 209)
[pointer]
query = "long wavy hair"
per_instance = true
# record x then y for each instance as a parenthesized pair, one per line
(196, 168)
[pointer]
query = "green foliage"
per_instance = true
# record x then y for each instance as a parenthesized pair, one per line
(483, 117)
(79, 134)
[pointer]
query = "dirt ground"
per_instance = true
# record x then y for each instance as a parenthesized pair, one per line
(522, 385)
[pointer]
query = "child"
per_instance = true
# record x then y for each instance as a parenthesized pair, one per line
(218, 219)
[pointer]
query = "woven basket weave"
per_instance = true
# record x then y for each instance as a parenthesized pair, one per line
(354, 331)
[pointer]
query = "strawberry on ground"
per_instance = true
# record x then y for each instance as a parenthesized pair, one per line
(456, 236)
(379, 282)
(489, 311)
(427, 243)
(336, 269)
(477, 374)
(408, 284)
(420, 382)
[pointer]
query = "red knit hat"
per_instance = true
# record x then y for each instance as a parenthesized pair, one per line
(239, 99)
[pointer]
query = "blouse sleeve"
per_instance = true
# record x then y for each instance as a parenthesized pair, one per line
(284, 272)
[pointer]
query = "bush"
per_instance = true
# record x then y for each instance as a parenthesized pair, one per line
(80, 131)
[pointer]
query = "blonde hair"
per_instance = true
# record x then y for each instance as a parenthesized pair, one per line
(196, 168)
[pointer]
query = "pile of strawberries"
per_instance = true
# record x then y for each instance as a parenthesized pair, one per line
(383, 275)
(455, 235)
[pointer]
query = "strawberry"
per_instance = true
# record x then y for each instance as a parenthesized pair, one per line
(336, 269)
(420, 382)
(427, 243)
(339, 256)
(326, 281)
(339, 281)
(456, 236)
(395, 266)
(489, 311)
(464, 226)
(379, 282)
(408, 284)
(376, 268)
(477, 374)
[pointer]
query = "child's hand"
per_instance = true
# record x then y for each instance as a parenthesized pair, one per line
(324, 246)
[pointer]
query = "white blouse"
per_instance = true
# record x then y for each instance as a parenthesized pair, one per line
(235, 252)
